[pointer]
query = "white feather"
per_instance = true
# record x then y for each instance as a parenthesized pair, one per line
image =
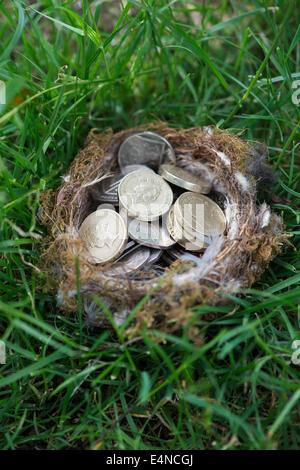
(204, 266)
(242, 180)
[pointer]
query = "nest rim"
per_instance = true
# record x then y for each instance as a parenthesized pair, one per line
(254, 234)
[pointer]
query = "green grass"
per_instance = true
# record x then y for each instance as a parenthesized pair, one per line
(229, 63)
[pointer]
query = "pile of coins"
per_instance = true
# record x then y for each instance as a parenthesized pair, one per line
(163, 210)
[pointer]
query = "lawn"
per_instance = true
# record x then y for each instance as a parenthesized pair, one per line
(71, 66)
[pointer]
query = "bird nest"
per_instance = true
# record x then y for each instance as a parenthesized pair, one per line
(166, 293)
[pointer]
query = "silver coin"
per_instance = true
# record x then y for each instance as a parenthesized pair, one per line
(175, 252)
(145, 148)
(145, 195)
(131, 244)
(104, 234)
(153, 234)
(167, 258)
(123, 213)
(130, 168)
(133, 261)
(154, 256)
(130, 247)
(107, 190)
(178, 253)
(106, 206)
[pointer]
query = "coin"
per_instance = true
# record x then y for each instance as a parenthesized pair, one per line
(130, 168)
(189, 235)
(145, 148)
(184, 179)
(175, 253)
(167, 258)
(144, 195)
(107, 189)
(131, 246)
(196, 238)
(154, 256)
(177, 232)
(132, 261)
(123, 213)
(106, 206)
(153, 234)
(104, 233)
(198, 213)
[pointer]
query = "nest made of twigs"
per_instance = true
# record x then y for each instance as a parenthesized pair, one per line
(254, 234)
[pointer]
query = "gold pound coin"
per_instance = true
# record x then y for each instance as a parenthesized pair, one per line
(177, 232)
(198, 213)
(104, 234)
(145, 195)
(185, 179)
(196, 238)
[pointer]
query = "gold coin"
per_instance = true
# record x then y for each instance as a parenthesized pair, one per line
(178, 234)
(145, 195)
(191, 241)
(195, 237)
(184, 179)
(104, 234)
(151, 234)
(198, 213)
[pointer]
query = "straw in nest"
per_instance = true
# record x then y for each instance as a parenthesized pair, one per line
(233, 261)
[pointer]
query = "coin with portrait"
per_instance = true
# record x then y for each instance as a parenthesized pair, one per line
(104, 234)
(145, 195)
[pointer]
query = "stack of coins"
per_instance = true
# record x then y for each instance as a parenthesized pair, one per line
(151, 224)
